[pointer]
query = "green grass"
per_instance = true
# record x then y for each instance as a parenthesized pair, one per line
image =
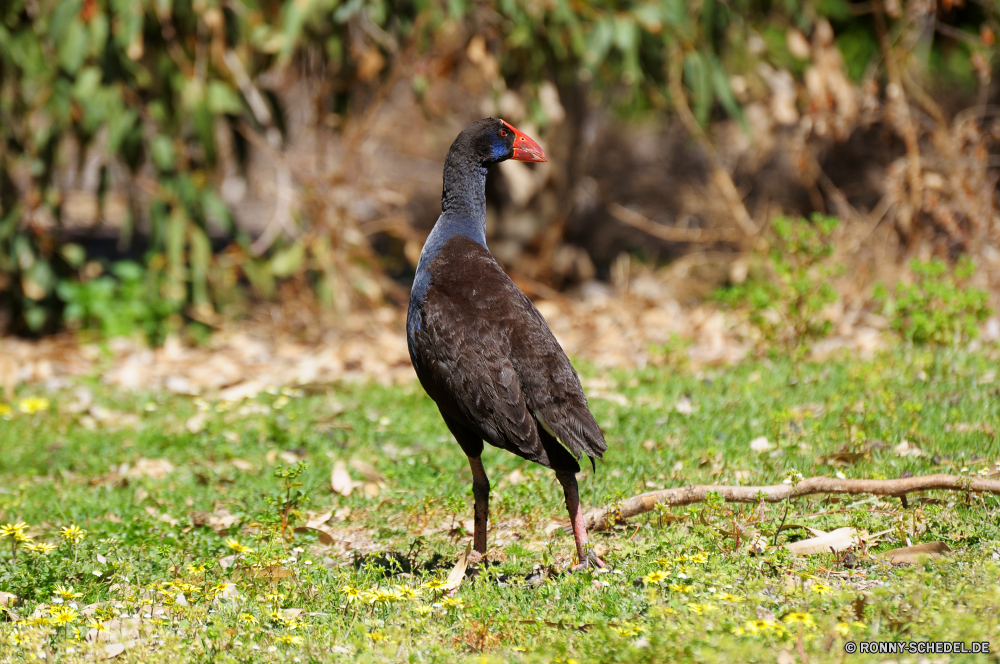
(59, 468)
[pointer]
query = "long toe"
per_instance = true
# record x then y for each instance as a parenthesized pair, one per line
(590, 561)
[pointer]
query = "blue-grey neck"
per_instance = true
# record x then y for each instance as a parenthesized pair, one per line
(463, 212)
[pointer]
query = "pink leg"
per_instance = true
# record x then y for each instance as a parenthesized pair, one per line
(481, 492)
(583, 552)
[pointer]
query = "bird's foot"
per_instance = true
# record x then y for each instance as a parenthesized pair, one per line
(590, 560)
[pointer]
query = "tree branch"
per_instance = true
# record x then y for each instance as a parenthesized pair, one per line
(603, 518)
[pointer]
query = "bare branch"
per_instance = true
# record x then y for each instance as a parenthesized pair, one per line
(601, 518)
(670, 233)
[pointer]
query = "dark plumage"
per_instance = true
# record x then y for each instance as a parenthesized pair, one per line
(480, 347)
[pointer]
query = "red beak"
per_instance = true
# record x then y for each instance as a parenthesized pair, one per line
(525, 149)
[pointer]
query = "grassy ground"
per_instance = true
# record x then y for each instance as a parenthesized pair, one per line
(187, 560)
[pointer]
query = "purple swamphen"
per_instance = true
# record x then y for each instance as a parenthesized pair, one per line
(480, 347)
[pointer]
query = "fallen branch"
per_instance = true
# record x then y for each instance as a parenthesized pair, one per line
(601, 519)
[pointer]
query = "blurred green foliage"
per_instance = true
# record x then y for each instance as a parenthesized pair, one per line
(785, 301)
(148, 85)
(939, 307)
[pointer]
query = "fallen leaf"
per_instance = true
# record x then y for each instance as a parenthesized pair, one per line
(153, 468)
(288, 457)
(907, 449)
(340, 480)
(760, 444)
(113, 650)
(367, 471)
(911, 554)
(684, 405)
(835, 540)
(228, 561)
(315, 520)
(7, 599)
(325, 537)
(196, 423)
(371, 490)
(242, 464)
(457, 573)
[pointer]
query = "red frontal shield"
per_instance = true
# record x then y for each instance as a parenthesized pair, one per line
(525, 149)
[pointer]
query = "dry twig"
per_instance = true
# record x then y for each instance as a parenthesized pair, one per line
(721, 176)
(670, 233)
(599, 519)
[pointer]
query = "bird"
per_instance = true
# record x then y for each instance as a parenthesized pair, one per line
(480, 347)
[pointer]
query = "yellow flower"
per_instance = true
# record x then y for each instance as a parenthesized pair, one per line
(405, 592)
(40, 547)
(452, 603)
(796, 618)
(248, 618)
(663, 562)
(33, 405)
(387, 595)
(237, 547)
(14, 530)
(728, 597)
(290, 639)
(436, 584)
(700, 558)
(762, 626)
(66, 593)
(73, 534)
(4, 410)
(424, 609)
(655, 577)
(351, 593)
(376, 636)
(63, 615)
(821, 588)
(680, 587)
(195, 569)
(628, 629)
(700, 609)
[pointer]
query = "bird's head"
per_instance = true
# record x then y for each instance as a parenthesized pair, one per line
(492, 140)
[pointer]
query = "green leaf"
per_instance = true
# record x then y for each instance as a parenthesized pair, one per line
(163, 152)
(72, 49)
(222, 99)
(287, 261)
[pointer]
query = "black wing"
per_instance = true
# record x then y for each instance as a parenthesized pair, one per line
(484, 353)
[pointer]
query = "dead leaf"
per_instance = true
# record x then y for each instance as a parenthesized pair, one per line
(684, 405)
(911, 554)
(842, 457)
(367, 471)
(907, 449)
(317, 519)
(457, 573)
(196, 423)
(760, 444)
(155, 469)
(371, 490)
(288, 457)
(242, 464)
(270, 573)
(325, 537)
(113, 650)
(228, 561)
(7, 599)
(340, 480)
(835, 540)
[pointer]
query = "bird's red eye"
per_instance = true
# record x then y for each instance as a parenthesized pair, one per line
(503, 132)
